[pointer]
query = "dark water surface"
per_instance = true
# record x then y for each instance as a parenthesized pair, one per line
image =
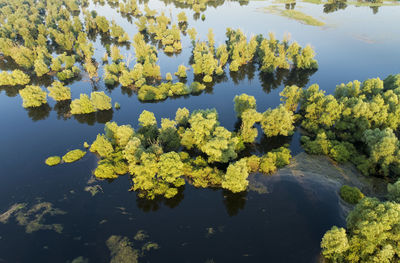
(284, 225)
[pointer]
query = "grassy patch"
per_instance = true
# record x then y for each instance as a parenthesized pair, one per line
(293, 14)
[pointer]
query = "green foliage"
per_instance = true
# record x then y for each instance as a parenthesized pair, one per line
(248, 133)
(278, 121)
(59, 92)
(83, 105)
(383, 147)
(33, 96)
(373, 234)
(73, 156)
(291, 96)
(206, 134)
(275, 159)
(181, 71)
(100, 100)
(394, 192)
(154, 177)
(182, 116)
(147, 118)
(244, 102)
(350, 194)
(102, 146)
(334, 244)
(102, 24)
(53, 160)
(235, 178)
(16, 77)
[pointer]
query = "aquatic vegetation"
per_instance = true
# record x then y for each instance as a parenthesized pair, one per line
(94, 189)
(33, 219)
(33, 96)
(372, 234)
(59, 92)
(141, 235)
(121, 250)
(73, 156)
(53, 160)
(98, 101)
(350, 194)
(4, 217)
(16, 77)
(293, 14)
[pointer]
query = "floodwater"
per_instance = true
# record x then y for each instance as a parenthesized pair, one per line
(284, 223)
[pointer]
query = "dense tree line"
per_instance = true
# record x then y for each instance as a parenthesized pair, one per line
(358, 123)
(192, 148)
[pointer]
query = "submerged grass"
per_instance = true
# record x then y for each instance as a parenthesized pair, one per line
(293, 14)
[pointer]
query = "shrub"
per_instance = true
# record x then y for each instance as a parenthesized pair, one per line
(53, 160)
(350, 194)
(59, 92)
(33, 96)
(73, 156)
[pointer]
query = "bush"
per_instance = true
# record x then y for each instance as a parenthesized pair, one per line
(83, 105)
(17, 77)
(100, 100)
(59, 92)
(33, 96)
(53, 160)
(394, 192)
(351, 195)
(73, 156)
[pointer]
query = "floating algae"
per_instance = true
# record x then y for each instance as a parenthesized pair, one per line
(293, 14)
(121, 250)
(140, 235)
(13, 209)
(94, 189)
(149, 246)
(33, 219)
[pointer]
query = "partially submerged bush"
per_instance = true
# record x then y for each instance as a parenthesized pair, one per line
(59, 92)
(97, 101)
(53, 160)
(33, 96)
(16, 77)
(351, 195)
(73, 156)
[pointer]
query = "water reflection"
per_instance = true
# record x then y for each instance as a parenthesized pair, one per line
(147, 205)
(234, 202)
(95, 117)
(39, 113)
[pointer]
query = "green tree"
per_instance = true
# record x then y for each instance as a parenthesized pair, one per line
(59, 92)
(235, 178)
(33, 96)
(278, 121)
(244, 102)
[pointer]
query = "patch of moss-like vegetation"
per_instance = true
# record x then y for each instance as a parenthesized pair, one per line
(293, 14)
(121, 250)
(33, 218)
(53, 160)
(73, 156)
(351, 195)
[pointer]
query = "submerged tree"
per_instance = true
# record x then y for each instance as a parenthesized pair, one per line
(33, 96)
